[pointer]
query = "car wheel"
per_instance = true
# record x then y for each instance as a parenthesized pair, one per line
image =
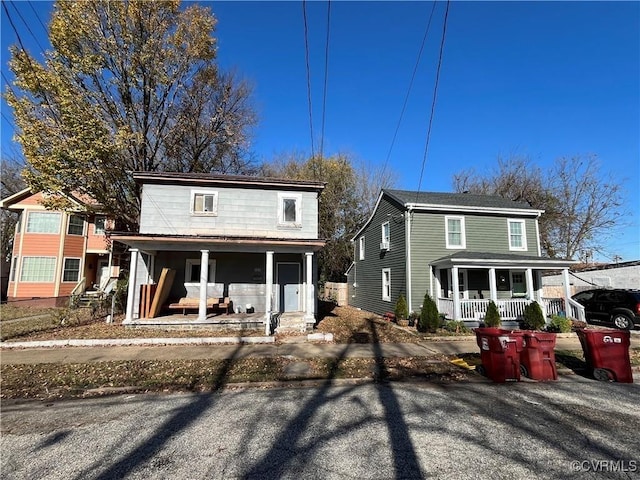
(602, 375)
(523, 371)
(622, 321)
(481, 370)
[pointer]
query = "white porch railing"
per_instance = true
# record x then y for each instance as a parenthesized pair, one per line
(475, 309)
(577, 310)
(553, 306)
(445, 306)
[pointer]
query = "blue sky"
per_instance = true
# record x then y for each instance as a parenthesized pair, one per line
(541, 79)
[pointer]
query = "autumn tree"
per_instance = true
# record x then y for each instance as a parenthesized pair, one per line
(345, 204)
(581, 203)
(128, 86)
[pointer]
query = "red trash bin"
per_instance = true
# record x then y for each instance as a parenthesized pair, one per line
(499, 353)
(606, 352)
(538, 359)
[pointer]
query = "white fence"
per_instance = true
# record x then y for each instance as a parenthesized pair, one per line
(513, 309)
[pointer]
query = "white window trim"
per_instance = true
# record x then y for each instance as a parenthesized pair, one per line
(361, 246)
(386, 298)
(382, 237)
(211, 280)
(204, 191)
(13, 268)
(64, 263)
(71, 215)
(463, 236)
(53, 275)
(57, 232)
(523, 248)
(297, 197)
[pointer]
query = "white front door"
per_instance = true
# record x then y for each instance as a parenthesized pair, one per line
(289, 282)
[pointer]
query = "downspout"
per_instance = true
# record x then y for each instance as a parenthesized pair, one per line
(407, 233)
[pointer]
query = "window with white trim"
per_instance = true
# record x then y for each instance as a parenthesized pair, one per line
(99, 224)
(43, 222)
(517, 237)
(386, 234)
(71, 270)
(289, 209)
(204, 202)
(192, 271)
(38, 269)
(14, 267)
(76, 225)
(361, 248)
(454, 232)
(386, 284)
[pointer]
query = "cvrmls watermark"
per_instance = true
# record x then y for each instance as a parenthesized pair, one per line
(624, 466)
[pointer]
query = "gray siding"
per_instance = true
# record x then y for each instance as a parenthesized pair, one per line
(367, 273)
(250, 212)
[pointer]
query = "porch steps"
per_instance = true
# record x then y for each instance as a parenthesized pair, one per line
(291, 323)
(87, 300)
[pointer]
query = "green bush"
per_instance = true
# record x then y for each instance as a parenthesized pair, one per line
(533, 318)
(401, 310)
(559, 324)
(456, 327)
(492, 317)
(429, 316)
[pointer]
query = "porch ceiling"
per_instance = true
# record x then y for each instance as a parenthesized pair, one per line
(500, 260)
(220, 244)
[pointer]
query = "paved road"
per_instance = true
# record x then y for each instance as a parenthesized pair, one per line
(573, 428)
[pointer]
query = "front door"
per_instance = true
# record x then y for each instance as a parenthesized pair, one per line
(289, 282)
(102, 273)
(518, 284)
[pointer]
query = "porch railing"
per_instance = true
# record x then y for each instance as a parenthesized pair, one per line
(476, 309)
(577, 310)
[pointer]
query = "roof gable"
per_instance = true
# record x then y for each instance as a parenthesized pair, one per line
(417, 199)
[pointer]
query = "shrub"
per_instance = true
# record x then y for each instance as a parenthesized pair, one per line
(533, 318)
(559, 324)
(456, 327)
(492, 317)
(401, 311)
(414, 318)
(429, 316)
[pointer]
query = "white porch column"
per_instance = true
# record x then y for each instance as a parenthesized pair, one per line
(131, 290)
(528, 275)
(493, 288)
(438, 285)
(567, 292)
(308, 288)
(204, 279)
(268, 276)
(456, 294)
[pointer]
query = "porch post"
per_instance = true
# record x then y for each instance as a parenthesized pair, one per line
(268, 292)
(493, 289)
(438, 285)
(204, 279)
(528, 275)
(131, 289)
(567, 292)
(456, 294)
(308, 314)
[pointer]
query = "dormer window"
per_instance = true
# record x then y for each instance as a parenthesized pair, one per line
(204, 202)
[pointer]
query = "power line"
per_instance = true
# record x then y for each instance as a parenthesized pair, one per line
(435, 95)
(326, 76)
(28, 28)
(406, 98)
(38, 17)
(306, 49)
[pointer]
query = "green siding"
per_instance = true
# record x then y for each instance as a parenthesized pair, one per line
(367, 273)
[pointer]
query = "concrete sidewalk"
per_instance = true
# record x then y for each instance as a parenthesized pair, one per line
(197, 351)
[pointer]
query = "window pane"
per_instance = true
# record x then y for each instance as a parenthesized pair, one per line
(385, 232)
(195, 273)
(198, 203)
(38, 269)
(76, 225)
(71, 270)
(289, 205)
(454, 227)
(43, 222)
(515, 237)
(99, 225)
(208, 203)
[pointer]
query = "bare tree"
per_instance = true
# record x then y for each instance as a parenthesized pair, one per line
(11, 182)
(581, 204)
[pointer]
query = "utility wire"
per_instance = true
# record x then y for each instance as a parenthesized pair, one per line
(306, 49)
(326, 76)
(46, 30)
(435, 95)
(406, 98)
(42, 49)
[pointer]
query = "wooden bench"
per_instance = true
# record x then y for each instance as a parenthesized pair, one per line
(225, 305)
(187, 303)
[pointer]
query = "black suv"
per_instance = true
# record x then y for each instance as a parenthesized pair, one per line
(615, 306)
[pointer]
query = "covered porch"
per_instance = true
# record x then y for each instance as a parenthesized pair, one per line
(257, 279)
(464, 283)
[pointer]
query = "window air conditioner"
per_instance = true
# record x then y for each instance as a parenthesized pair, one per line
(384, 245)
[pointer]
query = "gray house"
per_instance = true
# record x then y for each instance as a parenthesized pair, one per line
(461, 249)
(258, 237)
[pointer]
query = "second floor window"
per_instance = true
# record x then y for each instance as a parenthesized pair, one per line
(76, 225)
(361, 248)
(99, 225)
(289, 210)
(517, 239)
(386, 234)
(455, 236)
(204, 203)
(43, 222)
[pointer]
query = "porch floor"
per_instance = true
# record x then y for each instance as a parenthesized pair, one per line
(234, 321)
